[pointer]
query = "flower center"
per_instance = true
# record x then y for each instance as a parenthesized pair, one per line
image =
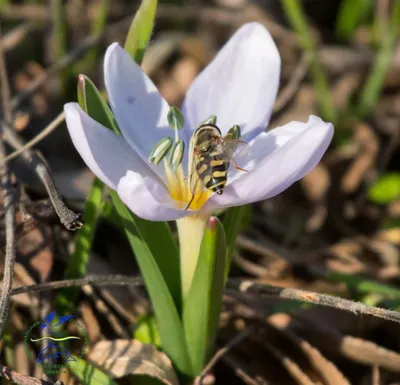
(186, 196)
(209, 158)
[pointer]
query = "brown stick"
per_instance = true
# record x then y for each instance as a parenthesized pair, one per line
(233, 285)
(55, 123)
(8, 201)
(66, 61)
(90, 280)
(22, 379)
(68, 218)
(358, 308)
(222, 352)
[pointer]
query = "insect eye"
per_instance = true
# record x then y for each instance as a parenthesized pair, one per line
(204, 149)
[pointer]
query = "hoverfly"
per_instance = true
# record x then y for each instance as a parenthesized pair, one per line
(212, 155)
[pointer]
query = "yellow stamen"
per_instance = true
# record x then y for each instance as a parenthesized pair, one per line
(182, 189)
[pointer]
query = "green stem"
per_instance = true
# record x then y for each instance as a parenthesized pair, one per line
(297, 19)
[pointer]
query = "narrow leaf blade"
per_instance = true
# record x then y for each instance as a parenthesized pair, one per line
(351, 14)
(203, 303)
(170, 326)
(77, 264)
(91, 101)
(386, 189)
(140, 30)
(147, 330)
(233, 223)
(88, 374)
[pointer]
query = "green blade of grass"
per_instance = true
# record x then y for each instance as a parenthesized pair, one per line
(233, 223)
(88, 62)
(373, 87)
(77, 264)
(351, 14)
(84, 239)
(147, 331)
(4, 3)
(140, 30)
(59, 38)
(88, 374)
(295, 13)
(386, 189)
(203, 303)
(364, 285)
(91, 101)
(170, 326)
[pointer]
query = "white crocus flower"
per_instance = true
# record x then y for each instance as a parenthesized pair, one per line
(239, 87)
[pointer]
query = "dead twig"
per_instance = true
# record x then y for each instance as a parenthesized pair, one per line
(222, 352)
(68, 218)
(90, 280)
(234, 284)
(358, 308)
(22, 379)
(38, 138)
(11, 39)
(8, 202)
(293, 84)
(63, 63)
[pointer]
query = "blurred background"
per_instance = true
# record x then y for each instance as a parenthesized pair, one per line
(336, 231)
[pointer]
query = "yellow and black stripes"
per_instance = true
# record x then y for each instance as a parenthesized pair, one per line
(210, 164)
(213, 172)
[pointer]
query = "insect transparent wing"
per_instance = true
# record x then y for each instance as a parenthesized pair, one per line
(234, 147)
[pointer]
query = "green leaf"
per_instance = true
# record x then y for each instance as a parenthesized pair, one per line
(58, 39)
(203, 303)
(351, 14)
(233, 223)
(88, 62)
(77, 264)
(364, 285)
(88, 374)
(91, 101)
(140, 30)
(147, 330)
(386, 189)
(376, 79)
(171, 331)
(83, 242)
(110, 215)
(294, 11)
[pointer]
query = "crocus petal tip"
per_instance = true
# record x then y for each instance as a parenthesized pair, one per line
(328, 127)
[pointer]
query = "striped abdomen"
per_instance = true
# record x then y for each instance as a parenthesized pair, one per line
(212, 170)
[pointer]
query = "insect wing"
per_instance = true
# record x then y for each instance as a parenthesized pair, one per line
(233, 148)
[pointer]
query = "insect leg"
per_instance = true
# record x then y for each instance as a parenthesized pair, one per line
(193, 194)
(237, 167)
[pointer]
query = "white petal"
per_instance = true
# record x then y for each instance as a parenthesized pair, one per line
(147, 198)
(140, 110)
(240, 85)
(108, 155)
(280, 158)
